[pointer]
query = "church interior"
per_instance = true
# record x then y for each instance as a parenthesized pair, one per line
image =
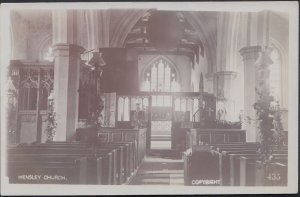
(148, 97)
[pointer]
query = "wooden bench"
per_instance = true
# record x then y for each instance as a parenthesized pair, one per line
(230, 164)
(276, 176)
(248, 167)
(226, 161)
(137, 136)
(201, 167)
(234, 171)
(223, 151)
(108, 158)
(48, 170)
(128, 155)
(125, 155)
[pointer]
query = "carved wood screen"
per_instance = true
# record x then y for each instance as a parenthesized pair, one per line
(32, 84)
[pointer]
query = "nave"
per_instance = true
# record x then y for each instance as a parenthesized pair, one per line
(127, 163)
(135, 106)
(160, 169)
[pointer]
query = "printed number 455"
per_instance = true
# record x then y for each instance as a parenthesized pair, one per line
(273, 177)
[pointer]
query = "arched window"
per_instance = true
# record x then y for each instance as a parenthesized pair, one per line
(49, 54)
(275, 74)
(160, 77)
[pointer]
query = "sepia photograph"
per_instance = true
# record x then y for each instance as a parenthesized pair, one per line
(149, 98)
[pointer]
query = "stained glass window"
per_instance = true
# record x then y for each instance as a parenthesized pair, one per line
(161, 77)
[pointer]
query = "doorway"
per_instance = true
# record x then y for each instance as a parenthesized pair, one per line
(161, 121)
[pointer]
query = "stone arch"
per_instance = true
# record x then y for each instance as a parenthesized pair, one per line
(208, 40)
(282, 51)
(124, 27)
(43, 45)
(284, 72)
(227, 44)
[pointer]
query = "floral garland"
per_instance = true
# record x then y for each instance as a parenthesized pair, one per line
(51, 123)
(268, 117)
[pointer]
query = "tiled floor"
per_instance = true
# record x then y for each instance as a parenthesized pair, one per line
(159, 171)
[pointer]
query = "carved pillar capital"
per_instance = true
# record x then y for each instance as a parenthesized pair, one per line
(227, 75)
(250, 52)
(209, 76)
(65, 49)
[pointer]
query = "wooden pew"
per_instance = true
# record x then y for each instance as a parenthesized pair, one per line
(124, 152)
(220, 158)
(213, 153)
(108, 159)
(95, 164)
(120, 150)
(128, 154)
(124, 158)
(224, 163)
(48, 170)
(201, 167)
(137, 136)
(234, 160)
(247, 168)
(224, 159)
(112, 135)
(276, 176)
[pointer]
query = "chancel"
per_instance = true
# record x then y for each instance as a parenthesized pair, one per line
(148, 97)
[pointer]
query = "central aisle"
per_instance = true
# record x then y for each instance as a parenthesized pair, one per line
(159, 171)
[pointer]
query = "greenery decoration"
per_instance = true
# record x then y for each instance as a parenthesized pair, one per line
(221, 124)
(12, 114)
(96, 117)
(265, 124)
(51, 122)
(138, 119)
(268, 116)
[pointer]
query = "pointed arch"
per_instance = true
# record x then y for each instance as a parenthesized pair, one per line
(157, 58)
(44, 43)
(160, 74)
(124, 26)
(209, 39)
(283, 97)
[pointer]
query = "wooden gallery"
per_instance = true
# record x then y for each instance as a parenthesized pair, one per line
(147, 97)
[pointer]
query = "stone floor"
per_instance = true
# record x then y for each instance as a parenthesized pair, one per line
(159, 171)
(161, 145)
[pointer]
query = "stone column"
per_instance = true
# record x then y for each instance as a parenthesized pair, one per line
(67, 36)
(66, 83)
(250, 55)
(226, 84)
